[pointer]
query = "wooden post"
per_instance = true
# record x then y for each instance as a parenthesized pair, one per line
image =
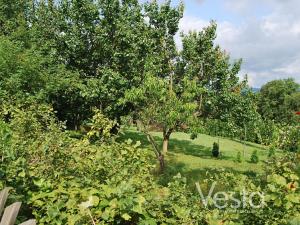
(29, 222)
(3, 198)
(11, 212)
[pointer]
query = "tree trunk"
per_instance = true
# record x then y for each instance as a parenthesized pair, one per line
(161, 160)
(160, 157)
(165, 145)
(166, 135)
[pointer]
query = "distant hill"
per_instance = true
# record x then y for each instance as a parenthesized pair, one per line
(255, 90)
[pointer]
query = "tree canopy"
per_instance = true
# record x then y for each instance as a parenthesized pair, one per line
(279, 100)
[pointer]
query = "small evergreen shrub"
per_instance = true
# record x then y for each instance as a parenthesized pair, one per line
(215, 150)
(194, 136)
(239, 157)
(271, 152)
(254, 157)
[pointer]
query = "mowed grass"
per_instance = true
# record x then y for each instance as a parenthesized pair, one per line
(193, 158)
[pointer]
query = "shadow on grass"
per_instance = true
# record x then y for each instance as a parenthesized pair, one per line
(188, 148)
(248, 144)
(173, 166)
(177, 146)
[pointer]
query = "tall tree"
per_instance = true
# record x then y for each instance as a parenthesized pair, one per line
(217, 78)
(169, 110)
(162, 98)
(107, 42)
(14, 20)
(277, 100)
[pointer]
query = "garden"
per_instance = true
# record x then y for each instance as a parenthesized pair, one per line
(104, 120)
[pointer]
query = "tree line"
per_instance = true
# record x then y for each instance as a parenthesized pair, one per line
(94, 65)
(121, 58)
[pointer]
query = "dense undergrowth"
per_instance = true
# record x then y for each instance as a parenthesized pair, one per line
(62, 180)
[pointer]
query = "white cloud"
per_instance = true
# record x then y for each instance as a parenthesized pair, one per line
(199, 1)
(189, 23)
(269, 44)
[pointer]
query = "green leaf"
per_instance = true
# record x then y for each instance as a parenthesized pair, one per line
(93, 201)
(126, 217)
(129, 141)
(277, 202)
(295, 198)
(137, 144)
(22, 174)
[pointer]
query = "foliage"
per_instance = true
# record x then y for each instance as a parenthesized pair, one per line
(215, 150)
(157, 104)
(100, 127)
(282, 192)
(194, 136)
(59, 60)
(65, 180)
(278, 101)
(272, 151)
(5, 140)
(289, 138)
(239, 157)
(268, 132)
(254, 157)
(20, 70)
(280, 188)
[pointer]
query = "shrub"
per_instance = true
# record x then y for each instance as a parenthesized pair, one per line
(101, 127)
(215, 150)
(239, 157)
(254, 157)
(279, 185)
(271, 152)
(289, 138)
(62, 180)
(268, 132)
(193, 136)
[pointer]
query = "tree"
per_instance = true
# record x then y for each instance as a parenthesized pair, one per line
(278, 100)
(165, 98)
(217, 78)
(221, 97)
(107, 42)
(168, 108)
(20, 69)
(13, 18)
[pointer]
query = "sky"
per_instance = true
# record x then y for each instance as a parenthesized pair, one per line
(264, 33)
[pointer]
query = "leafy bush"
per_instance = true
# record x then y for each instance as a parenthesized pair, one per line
(272, 151)
(239, 157)
(62, 180)
(215, 150)
(289, 138)
(254, 157)
(100, 127)
(268, 132)
(279, 185)
(194, 136)
(282, 192)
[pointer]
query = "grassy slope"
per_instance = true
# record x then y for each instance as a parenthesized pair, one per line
(193, 158)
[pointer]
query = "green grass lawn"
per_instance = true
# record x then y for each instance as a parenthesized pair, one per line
(193, 158)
